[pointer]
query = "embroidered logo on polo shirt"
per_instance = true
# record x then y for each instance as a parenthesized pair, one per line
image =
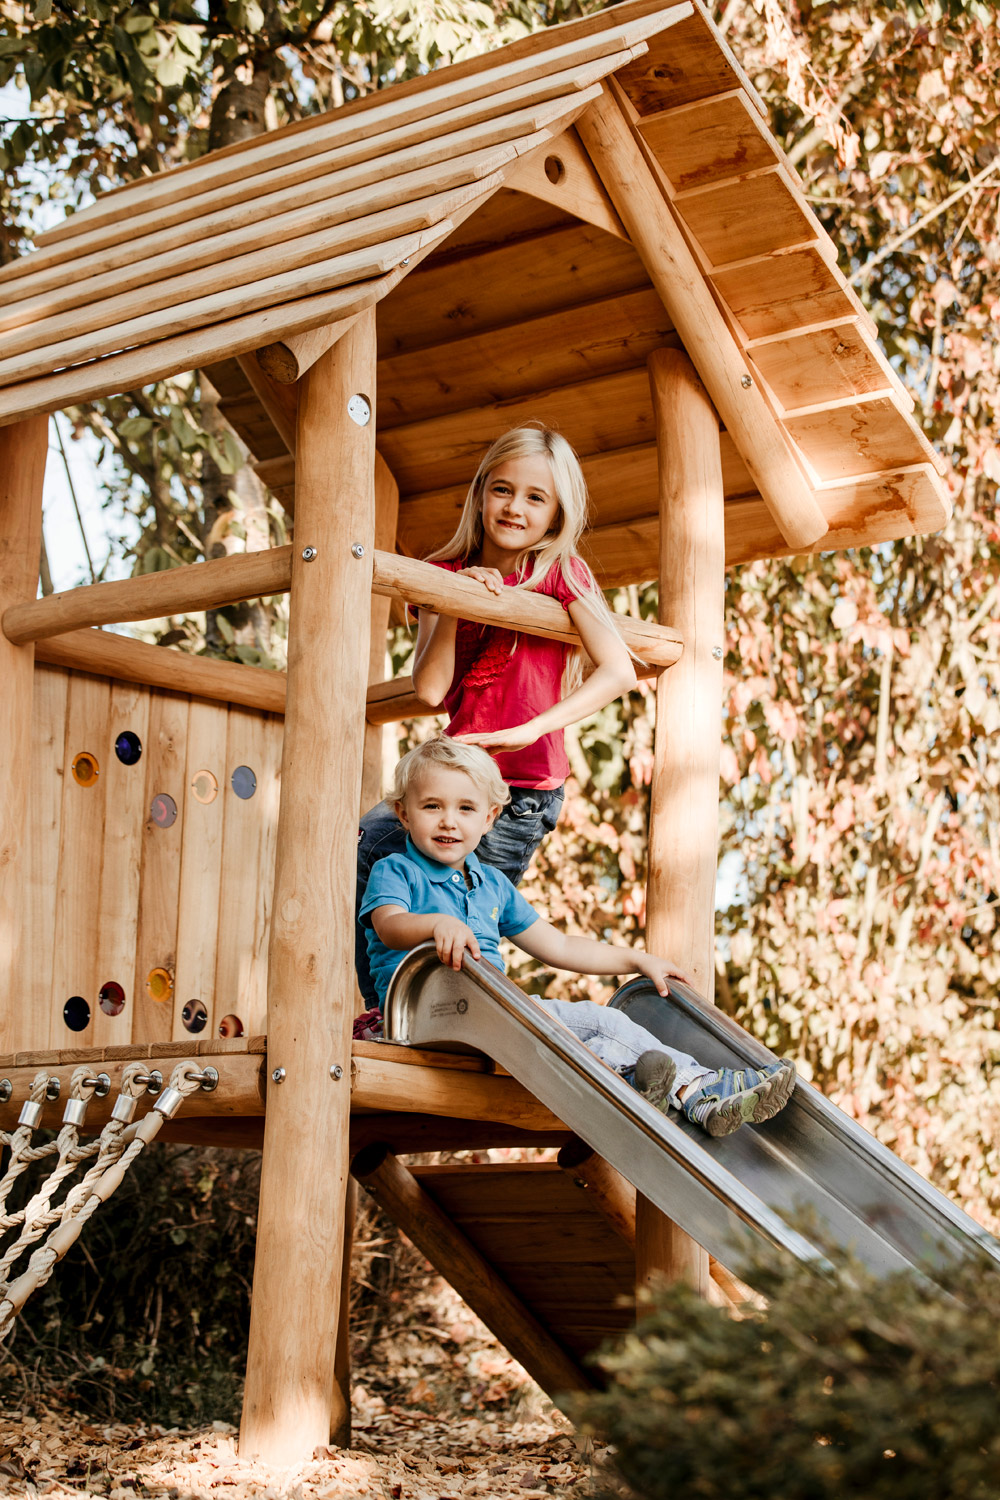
(494, 913)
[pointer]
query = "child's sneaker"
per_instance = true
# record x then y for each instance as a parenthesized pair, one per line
(653, 1076)
(728, 1098)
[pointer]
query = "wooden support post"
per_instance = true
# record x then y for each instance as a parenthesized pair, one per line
(22, 470)
(410, 1206)
(386, 516)
(287, 1408)
(684, 808)
(341, 1434)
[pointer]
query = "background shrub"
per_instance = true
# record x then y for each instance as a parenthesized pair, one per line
(841, 1385)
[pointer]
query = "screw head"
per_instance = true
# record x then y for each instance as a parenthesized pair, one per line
(308, 553)
(358, 549)
(277, 1075)
(6, 1089)
(746, 382)
(336, 1071)
(717, 652)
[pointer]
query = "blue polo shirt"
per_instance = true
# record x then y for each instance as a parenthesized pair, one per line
(490, 905)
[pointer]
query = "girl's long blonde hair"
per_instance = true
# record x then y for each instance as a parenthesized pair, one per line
(560, 546)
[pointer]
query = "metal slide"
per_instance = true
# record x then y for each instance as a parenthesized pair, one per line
(811, 1163)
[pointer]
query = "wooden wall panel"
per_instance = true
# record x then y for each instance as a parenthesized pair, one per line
(248, 872)
(78, 887)
(118, 912)
(34, 1009)
(156, 943)
(201, 864)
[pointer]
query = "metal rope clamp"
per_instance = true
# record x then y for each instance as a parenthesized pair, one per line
(171, 1099)
(31, 1113)
(76, 1109)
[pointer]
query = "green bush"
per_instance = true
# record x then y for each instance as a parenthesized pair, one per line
(840, 1385)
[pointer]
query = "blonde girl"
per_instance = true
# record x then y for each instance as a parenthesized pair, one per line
(511, 694)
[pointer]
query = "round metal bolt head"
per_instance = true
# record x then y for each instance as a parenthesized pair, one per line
(357, 549)
(102, 1086)
(746, 382)
(277, 1075)
(209, 1080)
(336, 1071)
(717, 652)
(308, 553)
(6, 1089)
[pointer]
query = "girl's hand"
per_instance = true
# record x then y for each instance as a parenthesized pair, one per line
(452, 938)
(659, 970)
(492, 578)
(518, 737)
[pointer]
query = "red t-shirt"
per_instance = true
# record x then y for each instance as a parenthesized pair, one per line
(503, 678)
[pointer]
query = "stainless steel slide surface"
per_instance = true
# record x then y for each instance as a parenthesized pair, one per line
(811, 1163)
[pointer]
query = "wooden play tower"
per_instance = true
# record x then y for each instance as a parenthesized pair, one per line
(593, 227)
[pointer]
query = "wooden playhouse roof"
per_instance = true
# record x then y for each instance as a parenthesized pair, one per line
(466, 207)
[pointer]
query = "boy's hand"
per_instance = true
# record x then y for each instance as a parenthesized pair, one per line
(659, 970)
(452, 938)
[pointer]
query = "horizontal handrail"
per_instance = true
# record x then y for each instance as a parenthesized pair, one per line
(251, 575)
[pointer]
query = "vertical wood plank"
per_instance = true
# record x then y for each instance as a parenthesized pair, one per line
(45, 797)
(81, 841)
(156, 943)
(201, 863)
(684, 804)
(247, 873)
(23, 447)
(290, 1404)
(118, 913)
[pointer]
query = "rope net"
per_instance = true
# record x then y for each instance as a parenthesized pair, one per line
(59, 1224)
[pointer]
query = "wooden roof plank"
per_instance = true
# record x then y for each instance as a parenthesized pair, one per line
(230, 258)
(687, 65)
(824, 365)
(750, 216)
(868, 436)
(397, 106)
(315, 178)
(137, 324)
(701, 144)
(778, 294)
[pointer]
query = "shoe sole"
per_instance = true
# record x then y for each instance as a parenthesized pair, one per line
(659, 1089)
(751, 1106)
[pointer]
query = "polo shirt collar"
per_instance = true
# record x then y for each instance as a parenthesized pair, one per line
(441, 873)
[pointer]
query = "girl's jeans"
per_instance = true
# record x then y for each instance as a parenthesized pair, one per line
(617, 1040)
(529, 815)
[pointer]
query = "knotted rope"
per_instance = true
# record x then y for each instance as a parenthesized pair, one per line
(116, 1148)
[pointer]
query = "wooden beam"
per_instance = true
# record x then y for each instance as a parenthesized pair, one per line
(223, 580)
(280, 401)
(611, 1193)
(454, 1094)
(410, 1206)
(110, 655)
(684, 804)
(677, 277)
(288, 359)
(426, 587)
(22, 471)
(564, 176)
(289, 1402)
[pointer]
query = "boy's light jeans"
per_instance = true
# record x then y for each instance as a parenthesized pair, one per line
(617, 1040)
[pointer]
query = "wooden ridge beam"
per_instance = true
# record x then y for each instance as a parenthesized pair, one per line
(608, 137)
(411, 1206)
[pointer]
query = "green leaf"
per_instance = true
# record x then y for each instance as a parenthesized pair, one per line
(137, 24)
(134, 427)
